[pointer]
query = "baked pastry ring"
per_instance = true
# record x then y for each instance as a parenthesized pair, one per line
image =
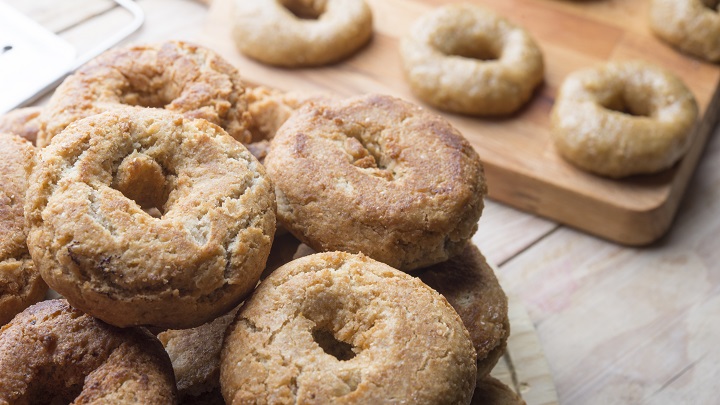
(377, 175)
(623, 118)
(178, 76)
(52, 351)
(466, 59)
(295, 33)
(341, 328)
(693, 26)
(20, 282)
(472, 289)
(22, 121)
(139, 216)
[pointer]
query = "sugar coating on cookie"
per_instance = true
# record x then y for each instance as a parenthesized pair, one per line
(623, 118)
(467, 59)
(343, 328)
(692, 26)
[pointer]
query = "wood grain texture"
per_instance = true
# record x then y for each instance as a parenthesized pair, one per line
(522, 166)
(628, 325)
(524, 368)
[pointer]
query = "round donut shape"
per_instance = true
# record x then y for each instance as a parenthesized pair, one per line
(178, 76)
(297, 33)
(377, 175)
(466, 59)
(24, 122)
(693, 26)
(623, 118)
(341, 328)
(53, 351)
(472, 289)
(20, 282)
(139, 216)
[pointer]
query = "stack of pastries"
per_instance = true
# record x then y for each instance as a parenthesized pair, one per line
(281, 247)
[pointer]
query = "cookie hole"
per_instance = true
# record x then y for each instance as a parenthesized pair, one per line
(332, 346)
(141, 179)
(467, 45)
(366, 153)
(305, 9)
(623, 105)
(477, 51)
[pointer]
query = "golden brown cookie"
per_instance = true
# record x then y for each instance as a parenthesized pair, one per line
(269, 109)
(177, 76)
(295, 33)
(52, 353)
(94, 240)
(195, 355)
(466, 59)
(22, 121)
(623, 118)
(20, 282)
(693, 26)
(341, 328)
(377, 175)
(471, 287)
(490, 391)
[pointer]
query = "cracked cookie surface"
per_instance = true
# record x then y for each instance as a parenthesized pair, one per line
(341, 328)
(377, 175)
(188, 248)
(177, 76)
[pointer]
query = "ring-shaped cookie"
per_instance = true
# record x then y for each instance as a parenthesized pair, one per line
(140, 216)
(472, 289)
(466, 59)
(20, 282)
(53, 353)
(177, 76)
(377, 175)
(295, 33)
(693, 26)
(341, 328)
(623, 118)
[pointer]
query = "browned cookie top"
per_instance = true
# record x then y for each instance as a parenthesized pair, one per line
(377, 175)
(139, 216)
(52, 351)
(341, 328)
(177, 76)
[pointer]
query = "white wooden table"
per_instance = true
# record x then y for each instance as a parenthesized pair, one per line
(617, 324)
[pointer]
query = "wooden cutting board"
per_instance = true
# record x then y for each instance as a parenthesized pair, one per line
(522, 167)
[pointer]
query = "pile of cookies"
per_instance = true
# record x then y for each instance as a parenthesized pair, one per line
(144, 207)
